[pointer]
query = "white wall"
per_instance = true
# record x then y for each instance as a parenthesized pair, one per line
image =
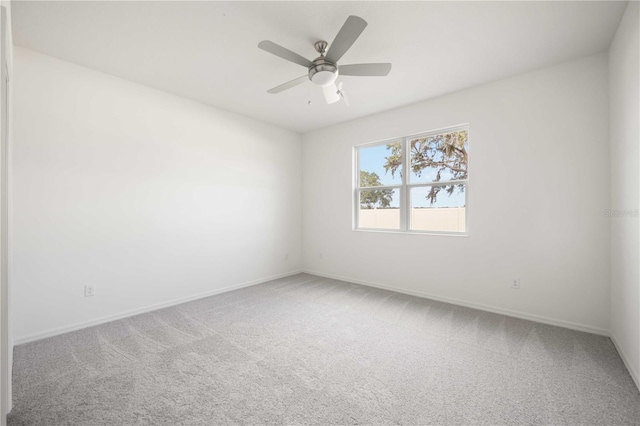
(624, 76)
(6, 335)
(539, 182)
(149, 196)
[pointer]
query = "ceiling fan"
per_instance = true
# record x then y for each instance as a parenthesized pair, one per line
(324, 70)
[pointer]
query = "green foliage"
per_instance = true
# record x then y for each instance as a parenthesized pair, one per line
(377, 198)
(439, 154)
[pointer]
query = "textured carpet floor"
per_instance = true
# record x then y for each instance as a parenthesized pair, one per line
(309, 350)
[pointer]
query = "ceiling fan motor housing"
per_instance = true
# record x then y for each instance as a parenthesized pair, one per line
(323, 73)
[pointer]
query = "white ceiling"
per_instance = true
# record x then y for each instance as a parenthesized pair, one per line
(207, 51)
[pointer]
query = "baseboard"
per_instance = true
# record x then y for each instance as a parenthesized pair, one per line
(479, 306)
(130, 313)
(632, 371)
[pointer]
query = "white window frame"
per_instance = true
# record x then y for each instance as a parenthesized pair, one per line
(405, 187)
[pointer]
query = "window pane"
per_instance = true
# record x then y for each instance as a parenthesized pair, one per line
(439, 208)
(380, 165)
(440, 157)
(379, 209)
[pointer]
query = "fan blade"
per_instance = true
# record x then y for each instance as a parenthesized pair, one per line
(288, 84)
(366, 70)
(284, 53)
(349, 33)
(331, 93)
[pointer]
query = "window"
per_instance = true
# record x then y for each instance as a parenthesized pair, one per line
(430, 197)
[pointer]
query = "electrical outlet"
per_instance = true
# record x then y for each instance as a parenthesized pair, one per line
(286, 256)
(89, 290)
(515, 284)
(320, 255)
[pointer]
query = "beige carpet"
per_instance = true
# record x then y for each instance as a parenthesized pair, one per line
(309, 350)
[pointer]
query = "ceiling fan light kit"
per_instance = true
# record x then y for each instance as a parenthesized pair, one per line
(324, 70)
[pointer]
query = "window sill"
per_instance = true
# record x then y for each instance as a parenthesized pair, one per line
(432, 233)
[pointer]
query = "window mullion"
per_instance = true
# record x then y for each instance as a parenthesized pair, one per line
(404, 192)
(438, 183)
(355, 218)
(380, 187)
